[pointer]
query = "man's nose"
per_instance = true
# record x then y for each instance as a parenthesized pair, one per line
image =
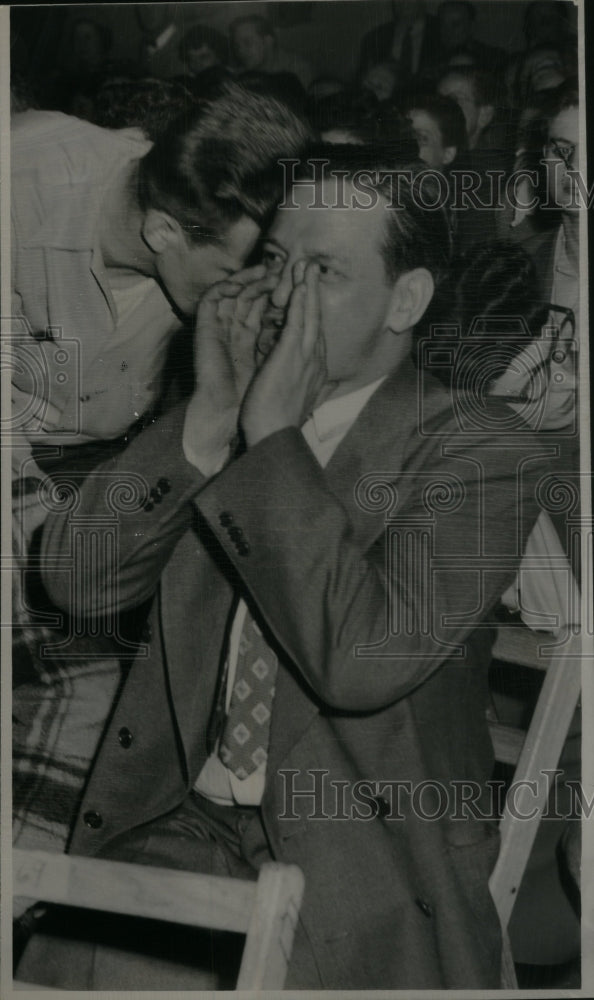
(281, 294)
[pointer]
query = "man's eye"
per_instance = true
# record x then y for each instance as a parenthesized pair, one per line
(273, 261)
(327, 271)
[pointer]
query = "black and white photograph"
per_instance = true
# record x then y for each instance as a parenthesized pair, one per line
(297, 528)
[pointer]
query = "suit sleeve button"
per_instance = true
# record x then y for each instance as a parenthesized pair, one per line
(424, 907)
(149, 505)
(156, 495)
(236, 534)
(225, 519)
(93, 820)
(125, 737)
(243, 548)
(163, 486)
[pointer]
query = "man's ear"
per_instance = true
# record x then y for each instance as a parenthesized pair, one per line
(160, 231)
(449, 154)
(485, 115)
(412, 294)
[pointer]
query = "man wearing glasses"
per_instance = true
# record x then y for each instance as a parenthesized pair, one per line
(556, 257)
(543, 904)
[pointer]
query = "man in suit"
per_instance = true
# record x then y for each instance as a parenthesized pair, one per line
(316, 631)
(410, 39)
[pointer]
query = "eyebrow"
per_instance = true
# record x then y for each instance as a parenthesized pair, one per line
(271, 239)
(312, 254)
(559, 138)
(323, 255)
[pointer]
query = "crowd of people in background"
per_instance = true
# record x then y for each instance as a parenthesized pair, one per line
(417, 53)
(471, 105)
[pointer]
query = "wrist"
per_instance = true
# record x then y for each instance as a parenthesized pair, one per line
(207, 434)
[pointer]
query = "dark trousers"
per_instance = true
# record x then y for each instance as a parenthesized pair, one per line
(85, 950)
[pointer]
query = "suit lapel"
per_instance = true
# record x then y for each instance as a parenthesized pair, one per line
(371, 457)
(361, 474)
(193, 590)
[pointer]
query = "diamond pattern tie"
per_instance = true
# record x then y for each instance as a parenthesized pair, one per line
(244, 740)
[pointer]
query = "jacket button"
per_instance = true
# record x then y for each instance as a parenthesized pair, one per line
(163, 486)
(243, 548)
(236, 534)
(156, 495)
(382, 806)
(93, 820)
(147, 633)
(225, 519)
(125, 737)
(424, 907)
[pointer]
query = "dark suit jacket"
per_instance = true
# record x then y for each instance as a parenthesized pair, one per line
(376, 46)
(374, 578)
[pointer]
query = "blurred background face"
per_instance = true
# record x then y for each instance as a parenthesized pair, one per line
(88, 47)
(462, 92)
(381, 81)
(428, 135)
(249, 46)
(200, 59)
(562, 154)
(542, 70)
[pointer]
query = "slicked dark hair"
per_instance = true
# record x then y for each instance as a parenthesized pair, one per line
(414, 236)
(494, 283)
(220, 163)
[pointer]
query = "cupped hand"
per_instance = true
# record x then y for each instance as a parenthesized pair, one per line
(228, 322)
(294, 375)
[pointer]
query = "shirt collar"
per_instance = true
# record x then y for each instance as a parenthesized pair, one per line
(336, 415)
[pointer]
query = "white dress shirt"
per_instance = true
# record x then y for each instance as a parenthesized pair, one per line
(323, 432)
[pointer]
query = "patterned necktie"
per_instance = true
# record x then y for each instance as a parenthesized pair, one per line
(244, 740)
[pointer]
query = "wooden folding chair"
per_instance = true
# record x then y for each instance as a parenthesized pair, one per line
(266, 911)
(533, 752)
(537, 750)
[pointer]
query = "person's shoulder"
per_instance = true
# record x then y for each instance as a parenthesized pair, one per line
(50, 149)
(40, 132)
